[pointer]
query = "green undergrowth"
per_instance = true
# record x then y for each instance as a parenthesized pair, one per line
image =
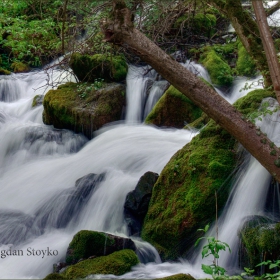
(173, 110)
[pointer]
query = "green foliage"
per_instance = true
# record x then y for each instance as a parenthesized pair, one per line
(212, 248)
(271, 265)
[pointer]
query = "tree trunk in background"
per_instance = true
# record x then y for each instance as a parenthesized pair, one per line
(63, 26)
(269, 49)
(121, 31)
(247, 30)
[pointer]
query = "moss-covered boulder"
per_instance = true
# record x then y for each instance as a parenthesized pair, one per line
(249, 104)
(260, 241)
(219, 70)
(245, 65)
(20, 67)
(183, 197)
(88, 243)
(116, 263)
(83, 107)
(180, 276)
(173, 110)
(88, 68)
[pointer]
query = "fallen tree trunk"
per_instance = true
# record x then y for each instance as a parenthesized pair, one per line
(121, 31)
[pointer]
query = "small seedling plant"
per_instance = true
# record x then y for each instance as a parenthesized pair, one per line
(212, 248)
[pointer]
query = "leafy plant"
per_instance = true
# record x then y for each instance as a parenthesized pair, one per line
(212, 248)
(98, 84)
(272, 264)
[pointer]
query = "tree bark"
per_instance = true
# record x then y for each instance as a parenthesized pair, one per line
(269, 49)
(120, 31)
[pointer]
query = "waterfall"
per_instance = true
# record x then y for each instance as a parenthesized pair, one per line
(39, 169)
(40, 166)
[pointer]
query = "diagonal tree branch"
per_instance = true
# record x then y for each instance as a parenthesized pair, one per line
(120, 30)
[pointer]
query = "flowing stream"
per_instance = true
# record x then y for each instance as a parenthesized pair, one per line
(39, 166)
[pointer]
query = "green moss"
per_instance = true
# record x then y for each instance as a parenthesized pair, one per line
(245, 65)
(261, 242)
(85, 242)
(81, 108)
(4, 71)
(174, 110)
(183, 198)
(219, 71)
(198, 123)
(204, 24)
(180, 276)
(19, 67)
(99, 66)
(54, 276)
(248, 104)
(116, 263)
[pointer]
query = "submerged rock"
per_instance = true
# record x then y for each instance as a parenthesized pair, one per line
(82, 107)
(67, 206)
(173, 110)
(137, 203)
(86, 244)
(37, 100)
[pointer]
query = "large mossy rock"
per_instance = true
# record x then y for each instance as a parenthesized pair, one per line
(137, 203)
(173, 110)
(88, 243)
(183, 197)
(88, 68)
(116, 263)
(81, 108)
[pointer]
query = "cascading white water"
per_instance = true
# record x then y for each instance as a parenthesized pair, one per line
(39, 167)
